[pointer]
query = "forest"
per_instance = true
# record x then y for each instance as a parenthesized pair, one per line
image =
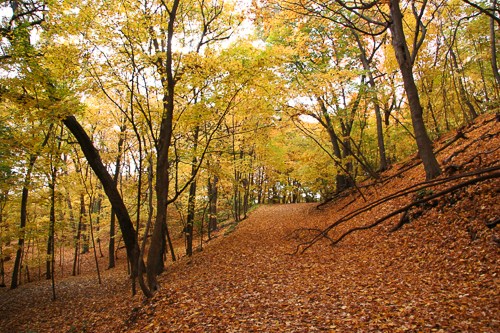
(134, 134)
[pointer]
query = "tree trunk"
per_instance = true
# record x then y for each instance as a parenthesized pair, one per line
(23, 217)
(110, 189)
(145, 289)
(111, 245)
(52, 219)
(2, 268)
(493, 47)
(51, 240)
(112, 224)
(212, 207)
(20, 243)
(376, 106)
(97, 208)
(156, 249)
(404, 60)
(93, 240)
(160, 230)
(343, 179)
(78, 235)
(190, 218)
(192, 198)
(462, 93)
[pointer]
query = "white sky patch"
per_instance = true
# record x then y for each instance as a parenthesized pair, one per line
(308, 119)
(303, 102)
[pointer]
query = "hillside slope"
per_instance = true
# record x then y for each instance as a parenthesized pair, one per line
(439, 272)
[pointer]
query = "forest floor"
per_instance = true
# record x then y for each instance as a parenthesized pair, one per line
(438, 273)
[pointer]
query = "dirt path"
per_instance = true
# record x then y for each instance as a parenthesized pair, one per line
(250, 283)
(247, 281)
(440, 273)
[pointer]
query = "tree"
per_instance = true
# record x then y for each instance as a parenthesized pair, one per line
(213, 29)
(109, 186)
(372, 19)
(406, 61)
(328, 85)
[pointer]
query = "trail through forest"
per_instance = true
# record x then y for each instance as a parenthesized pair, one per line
(438, 273)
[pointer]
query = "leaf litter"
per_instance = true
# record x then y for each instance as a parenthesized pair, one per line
(438, 273)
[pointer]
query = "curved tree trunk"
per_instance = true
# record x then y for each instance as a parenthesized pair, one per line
(109, 186)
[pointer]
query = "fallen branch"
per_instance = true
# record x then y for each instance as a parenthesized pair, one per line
(397, 194)
(415, 203)
(336, 196)
(459, 135)
(296, 233)
(479, 155)
(405, 219)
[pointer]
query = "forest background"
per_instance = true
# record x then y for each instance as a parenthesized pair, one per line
(138, 123)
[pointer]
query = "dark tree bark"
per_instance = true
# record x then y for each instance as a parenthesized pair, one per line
(111, 245)
(92, 203)
(52, 219)
(112, 224)
(51, 240)
(212, 206)
(78, 235)
(24, 206)
(3, 198)
(20, 243)
(165, 69)
(190, 218)
(94, 160)
(246, 195)
(405, 63)
(157, 247)
(97, 208)
(192, 199)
